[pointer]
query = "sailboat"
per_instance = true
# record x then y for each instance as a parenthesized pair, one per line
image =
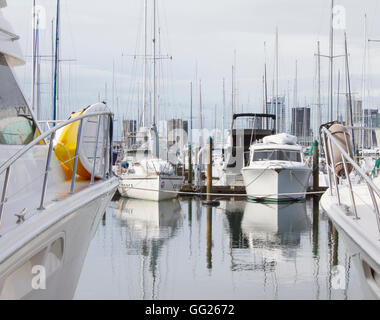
(151, 178)
(48, 212)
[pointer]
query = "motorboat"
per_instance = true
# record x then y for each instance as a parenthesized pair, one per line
(48, 211)
(277, 171)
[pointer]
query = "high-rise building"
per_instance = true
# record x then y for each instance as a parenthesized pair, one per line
(300, 126)
(280, 114)
(357, 112)
(370, 120)
(129, 132)
(177, 131)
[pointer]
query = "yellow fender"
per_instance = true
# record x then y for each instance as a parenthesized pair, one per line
(66, 146)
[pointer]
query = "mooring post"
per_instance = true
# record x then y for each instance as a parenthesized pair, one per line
(209, 238)
(315, 166)
(208, 201)
(190, 171)
(209, 169)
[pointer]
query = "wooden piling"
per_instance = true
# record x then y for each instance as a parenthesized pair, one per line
(209, 238)
(209, 201)
(190, 171)
(209, 169)
(315, 166)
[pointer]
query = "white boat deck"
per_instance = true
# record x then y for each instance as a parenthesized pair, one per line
(29, 202)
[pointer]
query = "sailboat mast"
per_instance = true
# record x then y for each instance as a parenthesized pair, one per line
(34, 56)
(265, 86)
(277, 111)
(38, 70)
(154, 64)
(364, 75)
(224, 107)
(56, 64)
(337, 98)
(349, 90)
(233, 92)
(331, 58)
(191, 113)
(145, 61)
(319, 119)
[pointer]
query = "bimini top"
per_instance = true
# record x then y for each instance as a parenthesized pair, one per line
(9, 40)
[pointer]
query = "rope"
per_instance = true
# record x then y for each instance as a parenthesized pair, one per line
(229, 194)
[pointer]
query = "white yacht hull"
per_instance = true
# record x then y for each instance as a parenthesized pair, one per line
(152, 187)
(55, 246)
(362, 234)
(275, 184)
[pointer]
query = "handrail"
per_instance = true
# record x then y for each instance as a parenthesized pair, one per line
(43, 136)
(52, 132)
(13, 37)
(351, 161)
(372, 188)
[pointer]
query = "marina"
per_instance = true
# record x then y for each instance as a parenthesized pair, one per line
(252, 251)
(203, 169)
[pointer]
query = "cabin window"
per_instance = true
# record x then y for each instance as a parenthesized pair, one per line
(17, 126)
(284, 155)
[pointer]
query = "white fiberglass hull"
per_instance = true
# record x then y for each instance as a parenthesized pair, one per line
(276, 184)
(361, 235)
(152, 187)
(52, 245)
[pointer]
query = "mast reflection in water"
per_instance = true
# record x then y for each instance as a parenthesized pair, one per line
(178, 249)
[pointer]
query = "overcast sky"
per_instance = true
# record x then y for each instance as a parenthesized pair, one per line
(201, 36)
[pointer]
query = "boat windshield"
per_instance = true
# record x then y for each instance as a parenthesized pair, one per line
(17, 126)
(284, 155)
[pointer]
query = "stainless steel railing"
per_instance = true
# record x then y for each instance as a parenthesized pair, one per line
(334, 178)
(6, 167)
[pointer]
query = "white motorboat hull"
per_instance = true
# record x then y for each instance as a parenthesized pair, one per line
(57, 241)
(152, 187)
(276, 184)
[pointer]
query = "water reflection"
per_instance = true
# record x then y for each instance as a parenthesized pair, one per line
(149, 220)
(150, 224)
(234, 211)
(240, 250)
(269, 230)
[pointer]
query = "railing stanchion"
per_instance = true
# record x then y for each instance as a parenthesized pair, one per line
(350, 186)
(106, 150)
(41, 207)
(375, 205)
(76, 156)
(327, 162)
(96, 151)
(333, 170)
(111, 151)
(4, 193)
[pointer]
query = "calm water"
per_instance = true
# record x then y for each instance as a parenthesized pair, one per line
(241, 250)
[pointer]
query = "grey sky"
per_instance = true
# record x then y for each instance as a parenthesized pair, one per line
(204, 32)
